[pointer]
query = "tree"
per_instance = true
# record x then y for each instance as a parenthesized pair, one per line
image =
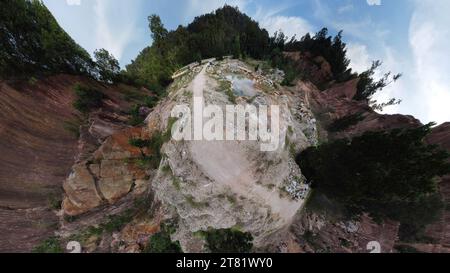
(228, 241)
(367, 86)
(387, 174)
(236, 47)
(108, 67)
(159, 32)
(333, 49)
(32, 42)
(161, 243)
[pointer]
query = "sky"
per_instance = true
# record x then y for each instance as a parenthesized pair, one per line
(411, 37)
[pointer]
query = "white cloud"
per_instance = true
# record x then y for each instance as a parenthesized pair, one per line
(374, 2)
(359, 57)
(346, 8)
(430, 40)
(115, 22)
(290, 25)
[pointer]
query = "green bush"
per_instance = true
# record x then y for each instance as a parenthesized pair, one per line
(32, 42)
(228, 241)
(50, 245)
(117, 222)
(135, 118)
(161, 241)
(87, 98)
(345, 122)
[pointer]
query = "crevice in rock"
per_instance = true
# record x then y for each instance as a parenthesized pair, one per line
(96, 184)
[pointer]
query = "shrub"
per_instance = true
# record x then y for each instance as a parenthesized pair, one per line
(228, 241)
(161, 241)
(50, 245)
(117, 222)
(136, 118)
(87, 98)
(345, 122)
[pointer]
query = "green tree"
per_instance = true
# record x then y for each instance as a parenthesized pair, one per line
(32, 42)
(368, 86)
(228, 241)
(159, 32)
(236, 47)
(108, 66)
(387, 174)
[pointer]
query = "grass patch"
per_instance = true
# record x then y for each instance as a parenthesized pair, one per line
(176, 183)
(135, 116)
(117, 222)
(50, 245)
(54, 201)
(195, 204)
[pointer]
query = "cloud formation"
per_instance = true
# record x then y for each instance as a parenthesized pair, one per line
(290, 25)
(429, 39)
(115, 22)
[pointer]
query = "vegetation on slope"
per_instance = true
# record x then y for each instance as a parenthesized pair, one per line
(161, 241)
(31, 41)
(228, 240)
(227, 31)
(391, 175)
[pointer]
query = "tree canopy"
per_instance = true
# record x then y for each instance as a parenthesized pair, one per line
(108, 67)
(31, 41)
(226, 31)
(387, 174)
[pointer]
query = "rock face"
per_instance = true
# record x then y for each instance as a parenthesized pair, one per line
(106, 177)
(41, 137)
(316, 69)
(199, 184)
(224, 184)
(336, 103)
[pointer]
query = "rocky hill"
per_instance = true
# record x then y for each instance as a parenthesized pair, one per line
(115, 197)
(98, 163)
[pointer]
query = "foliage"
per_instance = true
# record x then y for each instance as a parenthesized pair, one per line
(108, 67)
(154, 144)
(162, 243)
(345, 122)
(333, 49)
(367, 86)
(226, 31)
(50, 245)
(228, 241)
(117, 222)
(87, 98)
(32, 42)
(391, 175)
(136, 118)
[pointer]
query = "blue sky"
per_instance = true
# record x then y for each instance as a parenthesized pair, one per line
(410, 36)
